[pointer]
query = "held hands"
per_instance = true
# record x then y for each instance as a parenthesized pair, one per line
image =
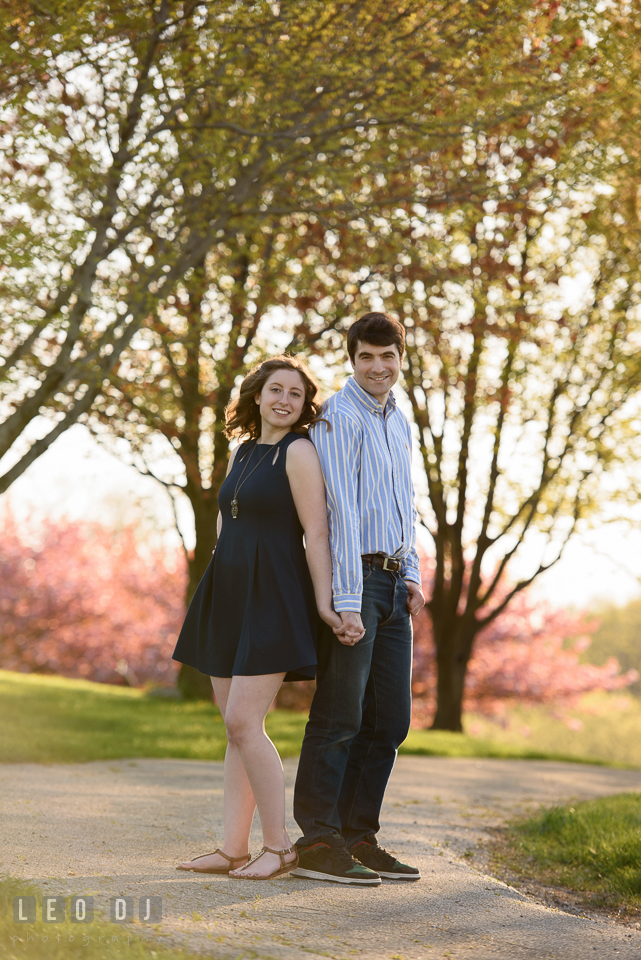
(348, 627)
(351, 629)
(415, 598)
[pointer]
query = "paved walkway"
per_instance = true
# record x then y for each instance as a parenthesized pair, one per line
(113, 829)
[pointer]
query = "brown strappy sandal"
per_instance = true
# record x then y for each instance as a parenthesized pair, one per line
(220, 870)
(285, 867)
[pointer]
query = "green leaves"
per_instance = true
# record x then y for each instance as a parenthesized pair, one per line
(136, 138)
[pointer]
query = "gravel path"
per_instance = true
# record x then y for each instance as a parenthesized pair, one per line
(115, 829)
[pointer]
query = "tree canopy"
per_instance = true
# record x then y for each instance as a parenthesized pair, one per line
(138, 135)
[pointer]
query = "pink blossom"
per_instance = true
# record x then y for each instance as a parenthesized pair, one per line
(89, 602)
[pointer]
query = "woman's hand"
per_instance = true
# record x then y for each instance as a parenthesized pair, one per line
(331, 618)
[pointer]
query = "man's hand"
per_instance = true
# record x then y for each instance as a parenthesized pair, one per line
(351, 629)
(415, 598)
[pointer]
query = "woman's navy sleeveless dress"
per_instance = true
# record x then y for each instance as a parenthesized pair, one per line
(254, 610)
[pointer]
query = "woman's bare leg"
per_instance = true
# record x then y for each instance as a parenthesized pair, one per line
(248, 701)
(238, 800)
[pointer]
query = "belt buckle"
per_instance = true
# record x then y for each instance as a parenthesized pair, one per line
(385, 562)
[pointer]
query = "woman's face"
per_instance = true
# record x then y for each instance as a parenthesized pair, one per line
(282, 399)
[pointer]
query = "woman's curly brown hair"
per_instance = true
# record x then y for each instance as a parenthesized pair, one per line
(242, 416)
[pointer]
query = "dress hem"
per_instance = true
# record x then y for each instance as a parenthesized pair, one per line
(291, 675)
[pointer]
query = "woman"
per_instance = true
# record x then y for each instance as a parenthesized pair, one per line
(253, 619)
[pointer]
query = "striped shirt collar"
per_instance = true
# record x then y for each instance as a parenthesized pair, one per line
(357, 395)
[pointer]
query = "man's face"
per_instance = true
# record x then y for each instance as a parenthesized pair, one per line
(376, 369)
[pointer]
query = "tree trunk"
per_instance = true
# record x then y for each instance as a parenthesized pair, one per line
(193, 684)
(453, 648)
(205, 507)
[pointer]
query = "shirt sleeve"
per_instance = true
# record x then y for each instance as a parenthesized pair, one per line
(410, 567)
(338, 447)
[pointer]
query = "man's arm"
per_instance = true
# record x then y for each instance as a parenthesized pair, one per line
(410, 566)
(339, 451)
(411, 574)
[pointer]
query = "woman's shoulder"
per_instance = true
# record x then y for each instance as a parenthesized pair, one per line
(291, 439)
(238, 453)
(300, 449)
(243, 447)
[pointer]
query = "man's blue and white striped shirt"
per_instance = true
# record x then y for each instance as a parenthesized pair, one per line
(366, 457)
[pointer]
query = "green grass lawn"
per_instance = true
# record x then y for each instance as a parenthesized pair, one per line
(610, 730)
(591, 848)
(71, 941)
(55, 720)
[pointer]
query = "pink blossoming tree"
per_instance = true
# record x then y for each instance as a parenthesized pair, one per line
(529, 655)
(89, 602)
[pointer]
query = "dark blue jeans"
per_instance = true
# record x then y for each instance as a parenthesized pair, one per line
(359, 717)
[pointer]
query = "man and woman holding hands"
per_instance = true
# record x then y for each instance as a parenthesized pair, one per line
(315, 573)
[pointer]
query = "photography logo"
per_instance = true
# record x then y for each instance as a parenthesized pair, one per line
(81, 909)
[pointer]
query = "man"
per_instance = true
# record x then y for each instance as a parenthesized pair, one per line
(361, 710)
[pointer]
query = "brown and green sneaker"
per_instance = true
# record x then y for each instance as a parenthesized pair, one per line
(329, 859)
(368, 852)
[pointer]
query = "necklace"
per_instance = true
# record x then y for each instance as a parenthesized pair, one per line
(241, 481)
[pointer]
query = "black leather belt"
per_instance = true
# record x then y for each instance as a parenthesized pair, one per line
(380, 560)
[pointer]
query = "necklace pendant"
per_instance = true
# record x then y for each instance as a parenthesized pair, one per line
(234, 508)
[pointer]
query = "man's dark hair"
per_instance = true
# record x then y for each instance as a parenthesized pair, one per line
(378, 329)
